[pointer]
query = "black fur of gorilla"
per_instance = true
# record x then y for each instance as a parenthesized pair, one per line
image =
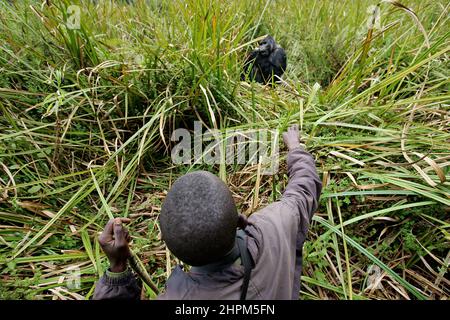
(266, 64)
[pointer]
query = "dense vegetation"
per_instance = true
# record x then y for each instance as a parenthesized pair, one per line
(87, 113)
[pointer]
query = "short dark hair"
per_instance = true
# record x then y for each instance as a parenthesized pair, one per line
(199, 219)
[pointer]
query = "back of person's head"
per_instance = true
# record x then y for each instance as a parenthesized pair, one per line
(199, 219)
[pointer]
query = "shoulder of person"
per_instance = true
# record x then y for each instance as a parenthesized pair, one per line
(271, 210)
(177, 285)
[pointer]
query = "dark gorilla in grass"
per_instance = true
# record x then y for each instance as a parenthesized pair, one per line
(199, 219)
(266, 64)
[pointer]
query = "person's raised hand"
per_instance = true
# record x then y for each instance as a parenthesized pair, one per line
(114, 242)
(291, 137)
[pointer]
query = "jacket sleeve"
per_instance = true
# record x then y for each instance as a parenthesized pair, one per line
(278, 231)
(304, 186)
(121, 286)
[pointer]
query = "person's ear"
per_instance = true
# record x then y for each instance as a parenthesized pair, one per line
(242, 221)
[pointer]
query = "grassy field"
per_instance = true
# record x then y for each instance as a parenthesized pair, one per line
(87, 113)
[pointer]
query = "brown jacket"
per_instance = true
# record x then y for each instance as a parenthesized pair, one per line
(276, 235)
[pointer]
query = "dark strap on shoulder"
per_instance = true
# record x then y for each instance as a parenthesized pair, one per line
(239, 250)
(241, 238)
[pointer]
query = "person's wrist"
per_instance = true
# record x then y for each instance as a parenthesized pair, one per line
(294, 146)
(118, 267)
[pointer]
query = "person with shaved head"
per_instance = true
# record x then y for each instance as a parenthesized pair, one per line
(231, 257)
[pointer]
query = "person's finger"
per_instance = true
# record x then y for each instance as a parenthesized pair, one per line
(119, 231)
(107, 233)
(125, 220)
(295, 127)
(126, 235)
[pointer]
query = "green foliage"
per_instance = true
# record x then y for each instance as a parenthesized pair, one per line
(102, 100)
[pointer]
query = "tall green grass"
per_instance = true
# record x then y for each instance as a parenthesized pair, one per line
(86, 118)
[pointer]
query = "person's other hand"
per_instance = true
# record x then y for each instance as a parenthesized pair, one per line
(114, 242)
(291, 137)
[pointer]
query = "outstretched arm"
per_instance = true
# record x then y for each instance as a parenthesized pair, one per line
(283, 225)
(304, 186)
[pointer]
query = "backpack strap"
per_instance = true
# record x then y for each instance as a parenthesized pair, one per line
(241, 238)
(240, 250)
